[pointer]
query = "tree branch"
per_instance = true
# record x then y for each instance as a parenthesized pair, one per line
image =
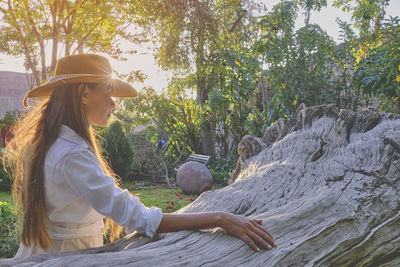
(242, 13)
(81, 42)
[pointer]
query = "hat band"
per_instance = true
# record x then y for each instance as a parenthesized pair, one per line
(69, 76)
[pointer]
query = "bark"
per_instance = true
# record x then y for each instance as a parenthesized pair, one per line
(56, 16)
(308, 14)
(68, 23)
(206, 128)
(241, 14)
(325, 182)
(54, 52)
(39, 39)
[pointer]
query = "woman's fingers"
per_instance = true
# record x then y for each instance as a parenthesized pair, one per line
(259, 240)
(265, 234)
(250, 242)
(250, 231)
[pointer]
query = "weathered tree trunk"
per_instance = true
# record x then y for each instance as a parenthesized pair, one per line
(326, 183)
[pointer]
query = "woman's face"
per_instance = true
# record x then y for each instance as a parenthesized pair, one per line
(98, 104)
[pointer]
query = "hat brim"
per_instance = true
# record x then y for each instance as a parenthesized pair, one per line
(119, 88)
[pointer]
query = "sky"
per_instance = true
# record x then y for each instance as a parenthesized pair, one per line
(158, 79)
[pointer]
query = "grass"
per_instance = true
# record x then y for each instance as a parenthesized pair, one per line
(161, 197)
(156, 196)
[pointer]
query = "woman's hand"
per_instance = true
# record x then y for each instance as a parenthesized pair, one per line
(249, 230)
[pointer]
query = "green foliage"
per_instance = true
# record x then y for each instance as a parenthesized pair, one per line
(176, 116)
(232, 73)
(235, 101)
(377, 69)
(9, 231)
(300, 64)
(186, 32)
(254, 124)
(6, 197)
(148, 162)
(309, 5)
(312, 4)
(189, 36)
(309, 79)
(8, 120)
(366, 14)
(235, 71)
(7, 217)
(246, 82)
(117, 150)
(220, 169)
(5, 179)
(344, 61)
(75, 25)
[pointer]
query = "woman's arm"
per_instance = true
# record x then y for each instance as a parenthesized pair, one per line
(249, 230)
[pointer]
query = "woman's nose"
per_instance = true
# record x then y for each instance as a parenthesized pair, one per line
(112, 103)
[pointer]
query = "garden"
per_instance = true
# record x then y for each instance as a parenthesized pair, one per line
(236, 67)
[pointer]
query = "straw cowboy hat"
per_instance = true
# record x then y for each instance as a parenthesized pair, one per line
(82, 68)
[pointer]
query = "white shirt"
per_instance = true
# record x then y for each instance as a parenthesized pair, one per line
(78, 194)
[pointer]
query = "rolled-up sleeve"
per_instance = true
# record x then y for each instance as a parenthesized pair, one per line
(83, 173)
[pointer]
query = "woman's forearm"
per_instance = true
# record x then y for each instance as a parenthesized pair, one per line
(192, 221)
(249, 230)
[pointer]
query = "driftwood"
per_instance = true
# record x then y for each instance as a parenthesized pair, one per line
(325, 181)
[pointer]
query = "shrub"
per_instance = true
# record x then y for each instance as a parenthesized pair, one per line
(118, 150)
(9, 231)
(220, 169)
(5, 181)
(148, 161)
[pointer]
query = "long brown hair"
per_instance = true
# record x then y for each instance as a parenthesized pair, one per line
(26, 153)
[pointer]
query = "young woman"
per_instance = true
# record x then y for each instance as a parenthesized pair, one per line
(63, 184)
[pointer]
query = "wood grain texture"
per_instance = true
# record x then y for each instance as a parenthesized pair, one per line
(325, 181)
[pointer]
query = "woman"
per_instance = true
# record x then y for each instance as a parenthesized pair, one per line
(63, 184)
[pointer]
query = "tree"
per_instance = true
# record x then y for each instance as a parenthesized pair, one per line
(376, 54)
(377, 71)
(176, 116)
(347, 96)
(309, 5)
(236, 102)
(299, 63)
(366, 14)
(80, 25)
(187, 35)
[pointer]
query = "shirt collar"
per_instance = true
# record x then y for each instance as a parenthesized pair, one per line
(70, 135)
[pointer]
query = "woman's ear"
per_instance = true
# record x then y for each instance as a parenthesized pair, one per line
(85, 94)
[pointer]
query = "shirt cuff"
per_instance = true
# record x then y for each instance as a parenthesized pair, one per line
(154, 218)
